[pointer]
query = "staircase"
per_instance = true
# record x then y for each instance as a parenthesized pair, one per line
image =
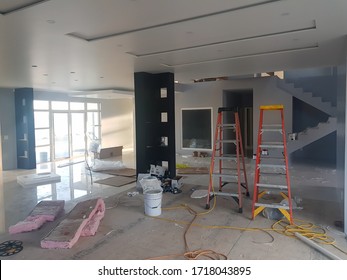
(307, 97)
(310, 134)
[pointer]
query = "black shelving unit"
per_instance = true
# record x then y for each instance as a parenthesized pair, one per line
(25, 128)
(155, 121)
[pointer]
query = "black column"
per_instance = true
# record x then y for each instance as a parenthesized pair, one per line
(25, 128)
(155, 121)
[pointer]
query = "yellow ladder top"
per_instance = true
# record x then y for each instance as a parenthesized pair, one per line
(271, 107)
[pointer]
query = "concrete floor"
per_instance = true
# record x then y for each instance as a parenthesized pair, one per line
(127, 233)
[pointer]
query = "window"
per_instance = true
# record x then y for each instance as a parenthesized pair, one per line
(197, 128)
(41, 105)
(41, 119)
(76, 106)
(60, 138)
(60, 105)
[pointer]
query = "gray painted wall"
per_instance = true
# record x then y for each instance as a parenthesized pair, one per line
(8, 129)
(341, 143)
(210, 94)
(321, 82)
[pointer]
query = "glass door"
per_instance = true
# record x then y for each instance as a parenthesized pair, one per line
(61, 135)
(77, 134)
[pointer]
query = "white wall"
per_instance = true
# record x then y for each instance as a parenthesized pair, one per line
(117, 123)
(210, 94)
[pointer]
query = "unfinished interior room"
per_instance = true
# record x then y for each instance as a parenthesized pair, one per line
(173, 130)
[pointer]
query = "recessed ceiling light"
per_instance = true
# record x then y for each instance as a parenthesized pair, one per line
(50, 21)
(76, 80)
(176, 82)
(45, 74)
(101, 77)
(72, 72)
(34, 66)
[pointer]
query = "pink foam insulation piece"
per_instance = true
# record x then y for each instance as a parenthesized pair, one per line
(44, 211)
(83, 220)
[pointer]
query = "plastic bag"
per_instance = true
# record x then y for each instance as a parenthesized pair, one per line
(100, 165)
(150, 183)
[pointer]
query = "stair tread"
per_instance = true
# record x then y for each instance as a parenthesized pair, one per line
(315, 101)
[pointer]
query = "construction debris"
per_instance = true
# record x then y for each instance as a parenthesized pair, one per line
(83, 220)
(45, 211)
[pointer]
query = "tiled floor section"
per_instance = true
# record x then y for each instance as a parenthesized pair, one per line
(127, 233)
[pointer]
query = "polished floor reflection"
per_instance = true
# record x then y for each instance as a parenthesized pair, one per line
(75, 185)
(126, 233)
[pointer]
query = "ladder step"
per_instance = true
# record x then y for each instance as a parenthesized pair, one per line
(271, 130)
(226, 157)
(272, 205)
(272, 186)
(272, 125)
(226, 194)
(222, 175)
(278, 145)
(272, 107)
(226, 141)
(227, 125)
(282, 166)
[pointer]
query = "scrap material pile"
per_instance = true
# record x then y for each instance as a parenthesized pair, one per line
(167, 184)
(83, 220)
(44, 211)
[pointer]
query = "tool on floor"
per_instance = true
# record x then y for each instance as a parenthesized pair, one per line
(227, 161)
(10, 247)
(271, 179)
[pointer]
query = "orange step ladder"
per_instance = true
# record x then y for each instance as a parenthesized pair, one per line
(228, 167)
(271, 168)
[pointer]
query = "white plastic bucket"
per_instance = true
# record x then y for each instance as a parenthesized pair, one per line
(153, 202)
(149, 183)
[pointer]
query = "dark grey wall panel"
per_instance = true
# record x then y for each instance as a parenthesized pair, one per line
(150, 128)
